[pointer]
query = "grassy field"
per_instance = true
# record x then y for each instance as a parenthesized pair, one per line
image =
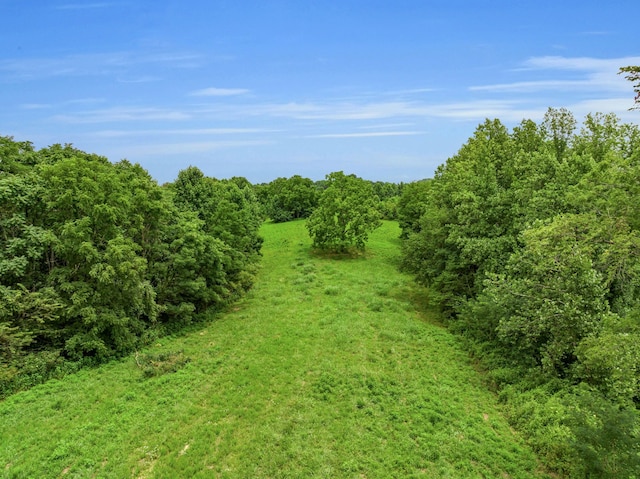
(329, 368)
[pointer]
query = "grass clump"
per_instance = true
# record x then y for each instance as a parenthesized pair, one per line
(332, 290)
(157, 364)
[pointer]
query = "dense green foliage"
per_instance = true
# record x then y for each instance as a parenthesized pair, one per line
(530, 241)
(347, 212)
(389, 195)
(411, 206)
(327, 368)
(96, 258)
(287, 199)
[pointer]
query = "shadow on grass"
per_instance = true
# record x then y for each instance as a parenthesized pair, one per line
(347, 255)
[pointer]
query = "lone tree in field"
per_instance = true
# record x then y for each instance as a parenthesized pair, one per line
(345, 215)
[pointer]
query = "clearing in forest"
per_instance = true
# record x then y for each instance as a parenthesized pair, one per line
(331, 367)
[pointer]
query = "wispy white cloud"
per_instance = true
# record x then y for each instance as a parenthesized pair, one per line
(93, 64)
(385, 126)
(182, 148)
(597, 33)
(77, 101)
(367, 135)
(579, 63)
(619, 105)
(602, 105)
(397, 117)
(530, 86)
(596, 75)
(396, 110)
(36, 106)
(403, 92)
(213, 91)
(183, 131)
(415, 91)
(138, 79)
(505, 110)
(596, 82)
(119, 114)
(339, 111)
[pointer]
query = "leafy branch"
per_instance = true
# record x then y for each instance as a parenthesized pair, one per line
(633, 75)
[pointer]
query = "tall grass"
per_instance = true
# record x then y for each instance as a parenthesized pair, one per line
(329, 368)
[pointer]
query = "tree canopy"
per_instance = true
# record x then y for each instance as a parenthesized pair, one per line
(347, 212)
(96, 258)
(287, 199)
(530, 242)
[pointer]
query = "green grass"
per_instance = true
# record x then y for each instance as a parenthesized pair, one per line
(330, 367)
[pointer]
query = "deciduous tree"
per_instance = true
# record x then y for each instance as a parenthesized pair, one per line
(346, 213)
(291, 198)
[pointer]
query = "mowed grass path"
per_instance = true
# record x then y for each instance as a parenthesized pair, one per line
(329, 368)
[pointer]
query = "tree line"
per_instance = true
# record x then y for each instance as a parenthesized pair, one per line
(529, 241)
(287, 199)
(97, 259)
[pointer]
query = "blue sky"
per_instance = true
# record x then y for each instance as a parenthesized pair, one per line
(387, 90)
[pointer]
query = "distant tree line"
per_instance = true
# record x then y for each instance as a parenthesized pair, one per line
(529, 241)
(97, 259)
(287, 199)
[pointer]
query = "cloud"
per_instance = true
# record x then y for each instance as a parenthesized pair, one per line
(396, 117)
(183, 148)
(618, 105)
(35, 106)
(530, 86)
(184, 131)
(213, 91)
(119, 114)
(367, 135)
(579, 63)
(380, 126)
(581, 84)
(598, 33)
(339, 110)
(396, 110)
(598, 75)
(138, 79)
(93, 64)
(77, 101)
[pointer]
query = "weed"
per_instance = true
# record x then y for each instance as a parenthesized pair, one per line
(375, 305)
(158, 364)
(332, 290)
